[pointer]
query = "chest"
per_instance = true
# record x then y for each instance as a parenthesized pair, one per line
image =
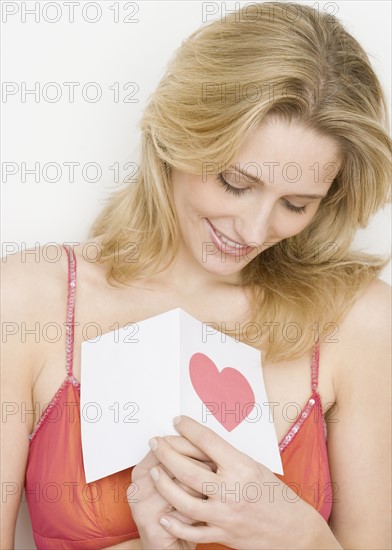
(288, 384)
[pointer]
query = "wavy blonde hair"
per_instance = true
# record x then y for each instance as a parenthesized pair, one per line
(320, 77)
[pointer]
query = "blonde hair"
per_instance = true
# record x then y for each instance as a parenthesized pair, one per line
(303, 67)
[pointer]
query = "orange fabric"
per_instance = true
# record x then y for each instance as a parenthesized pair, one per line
(67, 513)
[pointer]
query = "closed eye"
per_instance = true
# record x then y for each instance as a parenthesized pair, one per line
(240, 191)
(298, 209)
(230, 188)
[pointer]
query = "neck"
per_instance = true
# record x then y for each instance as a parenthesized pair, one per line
(188, 276)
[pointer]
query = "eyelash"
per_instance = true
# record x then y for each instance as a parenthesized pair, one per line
(236, 191)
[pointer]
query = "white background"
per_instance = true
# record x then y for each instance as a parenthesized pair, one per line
(106, 131)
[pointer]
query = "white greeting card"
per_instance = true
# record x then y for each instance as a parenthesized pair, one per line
(136, 379)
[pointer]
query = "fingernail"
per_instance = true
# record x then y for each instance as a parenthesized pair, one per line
(165, 522)
(176, 420)
(154, 474)
(153, 444)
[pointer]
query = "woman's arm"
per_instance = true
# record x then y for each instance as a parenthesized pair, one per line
(17, 360)
(359, 440)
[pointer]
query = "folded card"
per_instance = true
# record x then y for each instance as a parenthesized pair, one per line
(136, 379)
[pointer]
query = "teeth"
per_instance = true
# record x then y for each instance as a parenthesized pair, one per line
(228, 242)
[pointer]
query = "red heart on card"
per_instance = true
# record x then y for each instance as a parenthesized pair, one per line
(226, 394)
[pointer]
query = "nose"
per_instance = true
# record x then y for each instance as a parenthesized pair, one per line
(254, 225)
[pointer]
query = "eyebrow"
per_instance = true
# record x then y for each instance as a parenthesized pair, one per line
(304, 196)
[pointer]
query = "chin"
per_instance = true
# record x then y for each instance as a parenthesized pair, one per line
(224, 266)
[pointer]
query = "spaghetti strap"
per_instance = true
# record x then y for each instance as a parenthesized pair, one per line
(69, 328)
(70, 313)
(315, 366)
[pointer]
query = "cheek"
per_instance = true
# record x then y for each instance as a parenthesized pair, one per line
(290, 224)
(198, 197)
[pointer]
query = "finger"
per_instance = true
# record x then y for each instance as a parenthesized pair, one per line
(155, 501)
(148, 462)
(136, 477)
(188, 489)
(184, 519)
(134, 487)
(185, 487)
(191, 533)
(185, 447)
(217, 449)
(206, 464)
(182, 485)
(145, 465)
(187, 470)
(202, 465)
(196, 508)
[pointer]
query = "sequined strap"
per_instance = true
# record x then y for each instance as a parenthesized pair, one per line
(70, 311)
(315, 365)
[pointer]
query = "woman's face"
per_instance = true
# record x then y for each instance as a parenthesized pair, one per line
(224, 226)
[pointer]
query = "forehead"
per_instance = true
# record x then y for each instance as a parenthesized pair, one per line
(277, 149)
(278, 141)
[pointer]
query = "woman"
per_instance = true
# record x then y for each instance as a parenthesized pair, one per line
(264, 148)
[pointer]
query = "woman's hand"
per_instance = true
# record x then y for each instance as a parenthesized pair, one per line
(245, 504)
(147, 504)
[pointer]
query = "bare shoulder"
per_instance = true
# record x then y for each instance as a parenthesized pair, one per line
(35, 280)
(33, 285)
(31, 275)
(370, 314)
(372, 305)
(365, 337)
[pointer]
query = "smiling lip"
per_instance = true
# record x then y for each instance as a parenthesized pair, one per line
(226, 245)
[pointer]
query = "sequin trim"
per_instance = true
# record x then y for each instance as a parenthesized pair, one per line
(314, 398)
(288, 438)
(315, 365)
(70, 379)
(48, 408)
(70, 309)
